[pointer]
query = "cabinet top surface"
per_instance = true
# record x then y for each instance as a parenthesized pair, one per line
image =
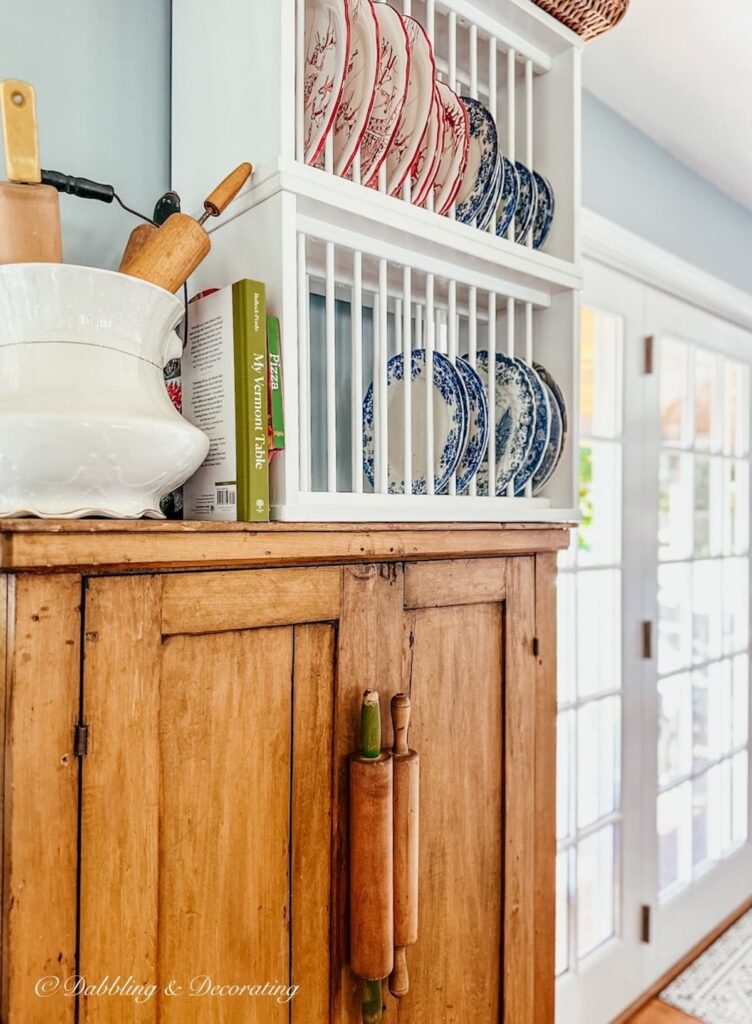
(100, 545)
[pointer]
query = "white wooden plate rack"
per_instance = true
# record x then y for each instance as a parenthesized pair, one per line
(406, 276)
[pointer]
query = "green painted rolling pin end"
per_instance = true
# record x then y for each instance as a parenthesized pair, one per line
(370, 725)
(371, 1002)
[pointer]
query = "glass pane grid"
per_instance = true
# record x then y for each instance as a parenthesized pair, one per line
(589, 660)
(703, 598)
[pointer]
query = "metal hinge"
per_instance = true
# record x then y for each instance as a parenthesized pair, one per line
(647, 639)
(645, 923)
(649, 364)
(81, 740)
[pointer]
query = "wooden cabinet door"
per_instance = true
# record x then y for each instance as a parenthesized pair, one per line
(206, 796)
(474, 647)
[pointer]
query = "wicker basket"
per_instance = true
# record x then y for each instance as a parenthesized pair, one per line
(588, 18)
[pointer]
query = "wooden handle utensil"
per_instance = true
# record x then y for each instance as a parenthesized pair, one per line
(167, 205)
(29, 212)
(169, 256)
(406, 818)
(371, 860)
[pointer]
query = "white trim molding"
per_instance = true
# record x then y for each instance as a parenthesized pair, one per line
(608, 243)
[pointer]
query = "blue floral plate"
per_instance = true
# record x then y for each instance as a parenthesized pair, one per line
(450, 419)
(555, 390)
(483, 154)
(509, 195)
(542, 433)
(491, 200)
(477, 432)
(515, 420)
(544, 210)
(524, 215)
(553, 450)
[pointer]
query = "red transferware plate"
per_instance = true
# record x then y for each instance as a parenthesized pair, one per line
(391, 90)
(426, 165)
(455, 149)
(413, 122)
(359, 91)
(327, 44)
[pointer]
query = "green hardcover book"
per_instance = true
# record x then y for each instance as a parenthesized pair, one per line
(274, 381)
(250, 324)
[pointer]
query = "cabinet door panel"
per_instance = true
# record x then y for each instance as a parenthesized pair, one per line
(205, 750)
(455, 685)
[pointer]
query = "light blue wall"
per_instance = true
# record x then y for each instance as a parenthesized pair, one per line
(101, 69)
(639, 185)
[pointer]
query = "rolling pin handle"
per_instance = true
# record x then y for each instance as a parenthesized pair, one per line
(399, 981)
(400, 723)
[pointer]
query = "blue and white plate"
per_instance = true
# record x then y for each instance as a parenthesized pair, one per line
(491, 201)
(544, 210)
(483, 153)
(477, 432)
(524, 215)
(515, 420)
(555, 390)
(542, 433)
(553, 449)
(510, 192)
(450, 418)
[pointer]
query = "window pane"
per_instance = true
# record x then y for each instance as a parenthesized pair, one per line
(595, 889)
(600, 503)
(675, 728)
(600, 374)
(707, 419)
(674, 618)
(706, 611)
(566, 636)
(740, 783)
(562, 912)
(598, 759)
(565, 740)
(708, 532)
(723, 804)
(740, 700)
(675, 506)
(674, 838)
(598, 631)
(735, 604)
(674, 387)
(701, 831)
(735, 507)
(736, 409)
(708, 715)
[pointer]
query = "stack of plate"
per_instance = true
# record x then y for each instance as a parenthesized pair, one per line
(370, 81)
(530, 429)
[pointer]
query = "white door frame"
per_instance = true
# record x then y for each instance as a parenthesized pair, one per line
(668, 285)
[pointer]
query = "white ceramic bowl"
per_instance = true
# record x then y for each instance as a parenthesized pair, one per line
(86, 424)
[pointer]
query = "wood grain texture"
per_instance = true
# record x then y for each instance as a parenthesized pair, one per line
(220, 601)
(520, 811)
(455, 964)
(225, 742)
(121, 794)
(660, 1013)
(459, 581)
(312, 781)
(41, 797)
(544, 754)
(5, 582)
(96, 545)
(369, 656)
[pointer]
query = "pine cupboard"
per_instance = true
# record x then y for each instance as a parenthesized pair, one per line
(180, 703)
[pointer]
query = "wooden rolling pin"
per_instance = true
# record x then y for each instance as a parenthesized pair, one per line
(371, 861)
(406, 819)
(29, 212)
(169, 255)
(168, 204)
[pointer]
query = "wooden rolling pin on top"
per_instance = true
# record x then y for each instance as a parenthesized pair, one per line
(371, 869)
(170, 254)
(406, 812)
(29, 211)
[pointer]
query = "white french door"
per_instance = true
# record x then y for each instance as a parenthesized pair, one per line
(653, 791)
